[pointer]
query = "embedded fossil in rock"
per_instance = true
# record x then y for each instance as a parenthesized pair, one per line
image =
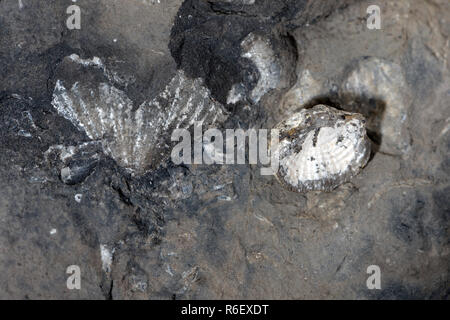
(306, 90)
(377, 88)
(321, 148)
(374, 87)
(259, 51)
(77, 161)
(273, 56)
(138, 139)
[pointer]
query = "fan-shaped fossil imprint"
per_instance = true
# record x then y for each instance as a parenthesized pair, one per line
(321, 148)
(137, 138)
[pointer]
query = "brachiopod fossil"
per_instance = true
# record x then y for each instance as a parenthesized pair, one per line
(273, 65)
(378, 89)
(138, 138)
(321, 148)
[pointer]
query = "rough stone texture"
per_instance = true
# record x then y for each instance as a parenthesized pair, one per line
(203, 231)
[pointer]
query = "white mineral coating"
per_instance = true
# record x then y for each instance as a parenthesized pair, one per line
(137, 138)
(96, 62)
(259, 50)
(236, 94)
(106, 256)
(377, 88)
(321, 148)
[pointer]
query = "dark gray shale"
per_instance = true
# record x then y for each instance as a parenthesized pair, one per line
(213, 232)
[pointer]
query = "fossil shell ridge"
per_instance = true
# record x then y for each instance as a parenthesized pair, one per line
(321, 148)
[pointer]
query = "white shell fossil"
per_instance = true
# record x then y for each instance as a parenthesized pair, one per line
(378, 89)
(373, 86)
(321, 148)
(273, 65)
(138, 138)
(306, 90)
(258, 50)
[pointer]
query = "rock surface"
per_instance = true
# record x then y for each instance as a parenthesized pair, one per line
(225, 231)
